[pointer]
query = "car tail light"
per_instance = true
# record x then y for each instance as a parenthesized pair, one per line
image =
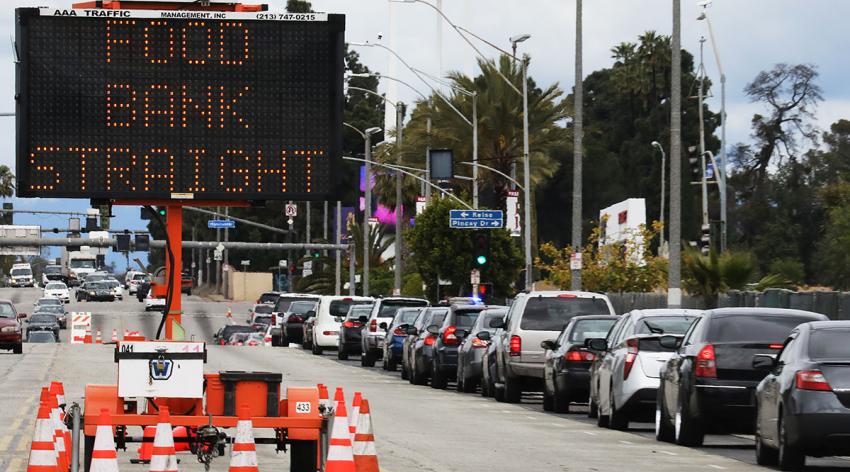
(449, 338)
(351, 324)
(295, 319)
(399, 332)
(274, 319)
(515, 345)
(812, 380)
(267, 339)
(706, 363)
(579, 356)
(631, 357)
(221, 342)
(478, 342)
(776, 346)
(330, 333)
(567, 295)
(373, 326)
(429, 340)
(252, 343)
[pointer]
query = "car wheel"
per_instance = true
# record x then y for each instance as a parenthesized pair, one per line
(416, 377)
(486, 391)
(765, 455)
(592, 409)
(469, 385)
(18, 349)
(601, 420)
(548, 400)
(316, 349)
(790, 457)
(687, 430)
(438, 377)
(513, 389)
(390, 363)
(616, 419)
(499, 393)
(404, 374)
(341, 354)
(663, 429)
(560, 400)
(367, 359)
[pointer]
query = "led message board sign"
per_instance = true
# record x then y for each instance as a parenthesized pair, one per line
(131, 104)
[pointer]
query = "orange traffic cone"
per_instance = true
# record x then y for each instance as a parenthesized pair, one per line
(355, 412)
(324, 401)
(126, 333)
(365, 455)
(114, 335)
(58, 390)
(243, 456)
(104, 457)
(42, 453)
(340, 455)
(164, 458)
(58, 433)
(98, 339)
(87, 338)
(146, 449)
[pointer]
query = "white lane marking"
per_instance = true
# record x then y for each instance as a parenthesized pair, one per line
(558, 425)
(628, 443)
(15, 465)
(716, 467)
(668, 453)
(590, 433)
(507, 411)
(531, 417)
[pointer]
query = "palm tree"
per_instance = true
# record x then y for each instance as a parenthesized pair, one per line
(7, 182)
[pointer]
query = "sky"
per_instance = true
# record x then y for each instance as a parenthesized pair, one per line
(751, 36)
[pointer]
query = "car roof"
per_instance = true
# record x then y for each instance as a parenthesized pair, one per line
(832, 324)
(723, 312)
(665, 312)
(555, 293)
(594, 317)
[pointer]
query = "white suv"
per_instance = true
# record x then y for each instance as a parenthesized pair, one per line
(535, 317)
(330, 313)
(624, 379)
(372, 335)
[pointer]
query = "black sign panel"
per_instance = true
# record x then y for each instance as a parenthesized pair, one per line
(119, 104)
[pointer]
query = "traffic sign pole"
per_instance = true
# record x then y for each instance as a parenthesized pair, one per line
(174, 227)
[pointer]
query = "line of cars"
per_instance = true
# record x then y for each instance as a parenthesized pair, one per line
(43, 326)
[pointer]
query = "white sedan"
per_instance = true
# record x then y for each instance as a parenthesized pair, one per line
(57, 290)
(154, 303)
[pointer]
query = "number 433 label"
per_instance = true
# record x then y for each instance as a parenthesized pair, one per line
(303, 407)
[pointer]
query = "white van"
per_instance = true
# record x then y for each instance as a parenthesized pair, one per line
(330, 314)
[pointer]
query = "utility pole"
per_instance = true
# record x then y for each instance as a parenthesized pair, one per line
(706, 225)
(674, 272)
(367, 213)
(427, 188)
(290, 262)
(226, 253)
(307, 229)
(475, 150)
(526, 178)
(398, 197)
(218, 262)
(578, 134)
(338, 254)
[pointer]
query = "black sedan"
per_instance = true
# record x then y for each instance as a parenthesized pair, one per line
(95, 292)
(42, 337)
(566, 368)
(708, 385)
(420, 344)
(471, 352)
(43, 322)
(56, 310)
(225, 332)
(350, 331)
(450, 334)
(803, 405)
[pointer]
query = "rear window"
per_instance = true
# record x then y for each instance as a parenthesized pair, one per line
(405, 317)
(43, 319)
(357, 311)
(553, 313)
(263, 309)
(301, 307)
(339, 308)
(755, 329)
(283, 303)
(830, 344)
(390, 307)
(664, 325)
(268, 298)
(590, 329)
(262, 320)
(465, 319)
(230, 330)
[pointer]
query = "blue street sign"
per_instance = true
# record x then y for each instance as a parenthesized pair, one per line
(477, 214)
(221, 224)
(475, 224)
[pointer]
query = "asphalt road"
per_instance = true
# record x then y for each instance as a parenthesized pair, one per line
(417, 428)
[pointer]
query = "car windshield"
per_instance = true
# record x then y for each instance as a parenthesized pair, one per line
(466, 318)
(830, 344)
(53, 270)
(51, 309)
(390, 307)
(266, 309)
(767, 329)
(7, 311)
(284, 302)
(21, 271)
(268, 298)
(553, 313)
(405, 316)
(96, 285)
(339, 308)
(590, 329)
(41, 337)
(82, 264)
(95, 277)
(112, 283)
(49, 301)
(301, 308)
(140, 277)
(357, 311)
(42, 319)
(664, 325)
(55, 286)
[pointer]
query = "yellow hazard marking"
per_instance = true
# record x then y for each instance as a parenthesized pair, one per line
(4, 442)
(15, 465)
(23, 444)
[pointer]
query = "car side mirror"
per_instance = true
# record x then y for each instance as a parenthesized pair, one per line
(310, 314)
(483, 335)
(383, 326)
(497, 323)
(670, 342)
(22, 316)
(363, 319)
(549, 345)
(461, 333)
(433, 329)
(597, 344)
(411, 331)
(764, 362)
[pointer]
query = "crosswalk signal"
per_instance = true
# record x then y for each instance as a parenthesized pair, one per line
(481, 248)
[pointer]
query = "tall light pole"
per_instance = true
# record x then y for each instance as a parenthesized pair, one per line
(723, 162)
(706, 225)
(674, 272)
(398, 210)
(367, 207)
(578, 150)
(658, 146)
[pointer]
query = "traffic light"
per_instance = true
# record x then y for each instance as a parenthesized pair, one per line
(143, 243)
(122, 243)
(485, 292)
(705, 239)
(694, 160)
(481, 248)
(8, 218)
(316, 253)
(146, 213)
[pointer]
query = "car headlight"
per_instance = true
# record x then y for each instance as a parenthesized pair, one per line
(91, 293)
(9, 329)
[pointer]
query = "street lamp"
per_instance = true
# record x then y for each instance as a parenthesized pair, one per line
(658, 146)
(367, 207)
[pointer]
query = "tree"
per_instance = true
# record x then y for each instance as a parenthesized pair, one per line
(439, 252)
(7, 182)
(707, 276)
(298, 6)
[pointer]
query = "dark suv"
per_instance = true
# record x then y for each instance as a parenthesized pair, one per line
(420, 344)
(450, 334)
(11, 338)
